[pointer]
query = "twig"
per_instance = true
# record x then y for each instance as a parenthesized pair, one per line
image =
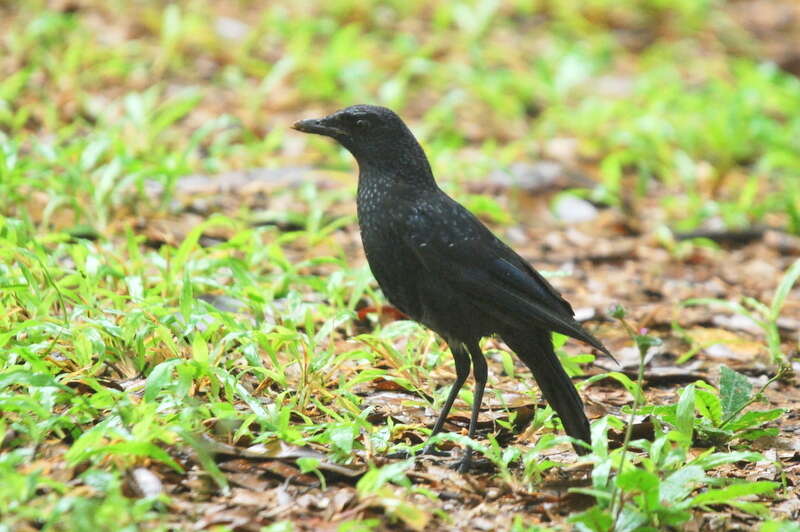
(643, 344)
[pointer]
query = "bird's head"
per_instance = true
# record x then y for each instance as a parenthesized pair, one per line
(369, 132)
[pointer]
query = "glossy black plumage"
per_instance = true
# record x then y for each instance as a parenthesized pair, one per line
(441, 266)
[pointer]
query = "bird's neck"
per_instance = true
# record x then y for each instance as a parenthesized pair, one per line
(403, 165)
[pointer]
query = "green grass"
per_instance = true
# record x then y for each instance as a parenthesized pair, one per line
(109, 357)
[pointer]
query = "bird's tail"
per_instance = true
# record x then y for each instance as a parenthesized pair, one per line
(535, 348)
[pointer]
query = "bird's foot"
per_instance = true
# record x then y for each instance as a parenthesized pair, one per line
(464, 464)
(403, 455)
(400, 455)
(429, 450)
(433, 451)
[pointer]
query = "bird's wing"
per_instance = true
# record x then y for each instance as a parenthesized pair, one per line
(528, 279)
(474, 262)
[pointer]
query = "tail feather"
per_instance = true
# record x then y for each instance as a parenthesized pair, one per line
(535, 349)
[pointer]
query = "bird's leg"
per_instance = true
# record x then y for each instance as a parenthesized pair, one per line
(462, 372)
(481, 373)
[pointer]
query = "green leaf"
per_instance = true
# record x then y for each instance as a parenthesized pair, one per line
(205, 456)
(600, 495)
(684, 414)
(734, 307)
(601, 473)
(755, 508)
(712, 436)
(631, 519)
(621, 378)
(160, 378)
(600, 447)
(342, 436)
(734, 390)
(412, 516)
(638, 480)
(641, 481)
(709, 406)
(754, 418)
(676, 487)
(374, 479)
(27, 378)
(644, 342)
(87, 442)
(673, 517)
(714, 460)
(785, 286)
(308, 464)
(730, 493)
(174, 110)
(187, 297)
(200, 349)
(755, 434)
(780, 526)
(140, 448)
(593, 519)
(190, 243)
(487, 207)
(617, 311)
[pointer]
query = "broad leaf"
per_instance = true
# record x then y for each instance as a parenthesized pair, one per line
(734, 390)
(755, 418)
(681, 483)
(709, 406)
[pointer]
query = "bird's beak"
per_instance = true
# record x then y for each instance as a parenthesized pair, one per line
(317, 126)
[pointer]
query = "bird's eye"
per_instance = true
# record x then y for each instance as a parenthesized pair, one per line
(362, 124)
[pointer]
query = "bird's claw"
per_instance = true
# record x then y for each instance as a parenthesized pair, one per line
(464, 464)
(433, 451)
(400, 455)
(429, 450)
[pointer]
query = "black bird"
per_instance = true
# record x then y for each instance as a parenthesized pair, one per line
(441, 266)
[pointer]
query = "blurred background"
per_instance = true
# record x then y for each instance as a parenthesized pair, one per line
(692, 102)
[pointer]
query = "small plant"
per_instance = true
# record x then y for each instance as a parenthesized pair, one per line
(765, 316)
(653, 485)
(721, 411)
(375, 488)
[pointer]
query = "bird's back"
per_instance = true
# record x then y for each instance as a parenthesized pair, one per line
(402, 228)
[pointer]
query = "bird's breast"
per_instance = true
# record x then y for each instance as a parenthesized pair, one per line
(394, 265)
(395, 236)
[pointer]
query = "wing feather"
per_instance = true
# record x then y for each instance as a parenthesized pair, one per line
(494, 277)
